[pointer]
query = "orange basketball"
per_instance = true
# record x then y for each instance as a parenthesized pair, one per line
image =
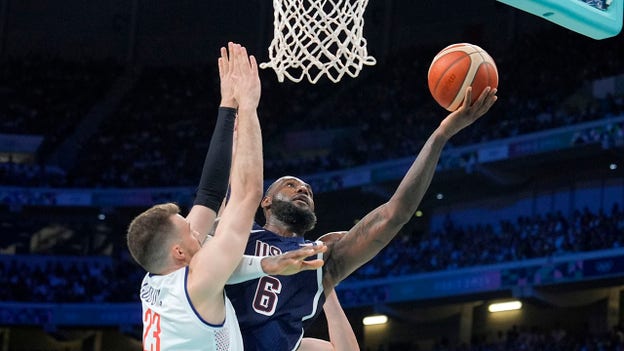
(457, 67)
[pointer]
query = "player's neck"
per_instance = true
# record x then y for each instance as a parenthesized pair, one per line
(280, 229)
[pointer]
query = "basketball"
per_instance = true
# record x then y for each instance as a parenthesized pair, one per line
(457, 67)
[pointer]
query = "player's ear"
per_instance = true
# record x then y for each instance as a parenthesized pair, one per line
(177, 252)
(266, 202)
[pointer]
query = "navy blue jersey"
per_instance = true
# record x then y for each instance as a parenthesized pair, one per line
(273, 311)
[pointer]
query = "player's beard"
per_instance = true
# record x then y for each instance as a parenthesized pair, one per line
(299, 220)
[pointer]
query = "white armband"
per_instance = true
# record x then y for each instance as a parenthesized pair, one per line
(249, 268)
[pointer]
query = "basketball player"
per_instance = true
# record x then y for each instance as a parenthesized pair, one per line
(182, 295)
(273, 312)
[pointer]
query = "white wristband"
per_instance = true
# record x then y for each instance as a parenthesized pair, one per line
(249, 268)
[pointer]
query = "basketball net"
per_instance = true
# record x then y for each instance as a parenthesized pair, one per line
(313, 38)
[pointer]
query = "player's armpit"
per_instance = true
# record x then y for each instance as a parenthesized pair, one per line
(329, 269)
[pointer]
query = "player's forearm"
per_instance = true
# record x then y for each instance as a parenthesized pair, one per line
(249, 268)
(416, 181)
(215, 173)
(247, 170)
(341, 333)
(388, 219)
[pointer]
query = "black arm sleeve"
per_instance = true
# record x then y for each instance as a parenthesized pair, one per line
(215, 175)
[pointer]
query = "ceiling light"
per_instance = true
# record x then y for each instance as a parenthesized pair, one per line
(505, 306)
(377, 319)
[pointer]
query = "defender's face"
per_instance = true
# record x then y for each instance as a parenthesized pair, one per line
(190, 239)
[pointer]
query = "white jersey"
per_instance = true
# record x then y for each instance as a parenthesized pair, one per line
(170, 322)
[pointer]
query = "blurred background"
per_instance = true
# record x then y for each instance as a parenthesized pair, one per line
(107, 108)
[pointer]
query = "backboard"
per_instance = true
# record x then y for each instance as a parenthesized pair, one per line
(597, 19)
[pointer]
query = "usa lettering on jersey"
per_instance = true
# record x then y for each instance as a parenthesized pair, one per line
(264, 249)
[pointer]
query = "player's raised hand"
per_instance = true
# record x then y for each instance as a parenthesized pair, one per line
(466, 114)
(293, 262)
(247, 89)
(226, 76)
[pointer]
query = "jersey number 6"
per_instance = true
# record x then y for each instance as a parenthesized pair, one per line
(265, 299)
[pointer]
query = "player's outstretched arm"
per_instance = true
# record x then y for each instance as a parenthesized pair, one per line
(211, 267)
(289, 263)
(373, 232)
(341, 335)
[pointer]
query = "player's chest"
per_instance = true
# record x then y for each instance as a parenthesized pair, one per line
(270, 246)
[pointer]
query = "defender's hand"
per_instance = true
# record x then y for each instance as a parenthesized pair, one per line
(226, 76)
(247, 88)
